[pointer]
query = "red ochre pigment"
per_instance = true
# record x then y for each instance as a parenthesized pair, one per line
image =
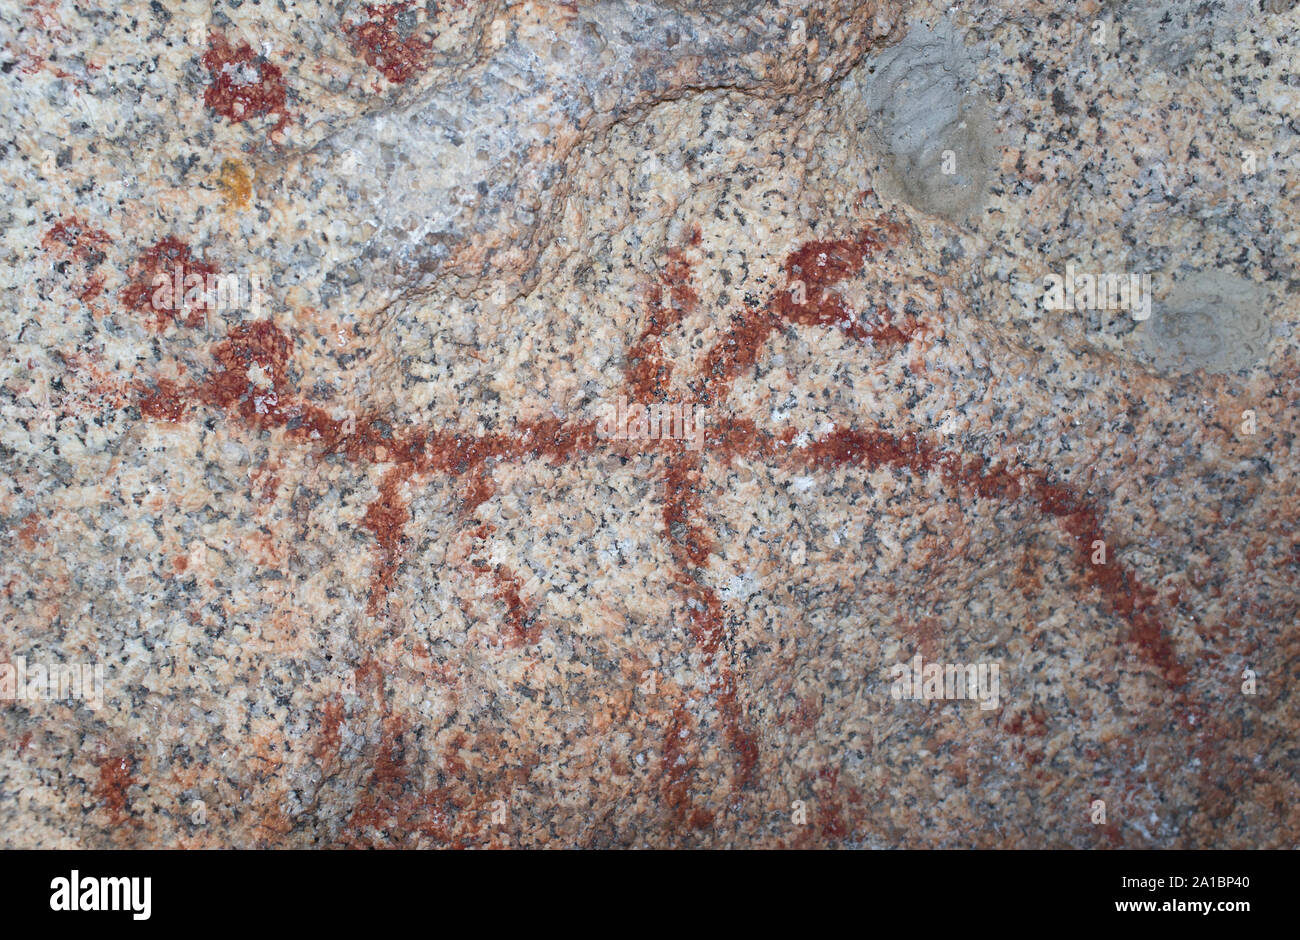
(243, 86)
(172, 259)
(413, 453)
(378, 41)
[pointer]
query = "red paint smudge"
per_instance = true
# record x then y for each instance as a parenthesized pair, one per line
(165, 402)
(114, 780)
(94, 287)
(525, 629)
(689, 541)
(331, 734)
(378, 41)
(648, 373)
(77, 240)
(30, 531)
(1129, 598)
(262, 347)
(386, 517)
(676, 769)
(743, 741)
(243, 85)
(170, 258)
(478, 491)
(263, 483)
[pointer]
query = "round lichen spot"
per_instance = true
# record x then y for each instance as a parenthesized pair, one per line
(934, 132)
(1210, 321)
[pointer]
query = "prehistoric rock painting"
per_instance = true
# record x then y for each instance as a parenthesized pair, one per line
(629, 424)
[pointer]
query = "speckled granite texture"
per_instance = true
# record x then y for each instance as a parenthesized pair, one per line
(362, 566)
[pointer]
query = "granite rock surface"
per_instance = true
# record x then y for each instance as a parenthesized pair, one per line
(318, 318)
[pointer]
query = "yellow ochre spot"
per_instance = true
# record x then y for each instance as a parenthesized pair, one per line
(237, 183)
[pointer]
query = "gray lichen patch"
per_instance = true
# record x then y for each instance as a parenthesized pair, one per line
(931, 123)
(1211, 321)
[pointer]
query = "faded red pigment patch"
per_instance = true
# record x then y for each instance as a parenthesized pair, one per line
(477, 491)
(30, 531)
(94, 385)
(735, 353)
(163, 402)
(689, 540)
(1124, 593)
(708, 630)
(378, 39)
(742, 740)
(172, 259)
(804, 717)
(648, 373)
(386, 517)
(1030, 724)
(261, 348)
(925, 634)
(71, 239)
(833, 820)
(243, 85)
(326, 750)
(94, 287)
(707, 626)
(741, 436)
(393, 809)
(114, 780)
(76, 240)
(263, 482)
(525, 628)
(451, 757)
(677, 770)
(45, 33)
(385, 806)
